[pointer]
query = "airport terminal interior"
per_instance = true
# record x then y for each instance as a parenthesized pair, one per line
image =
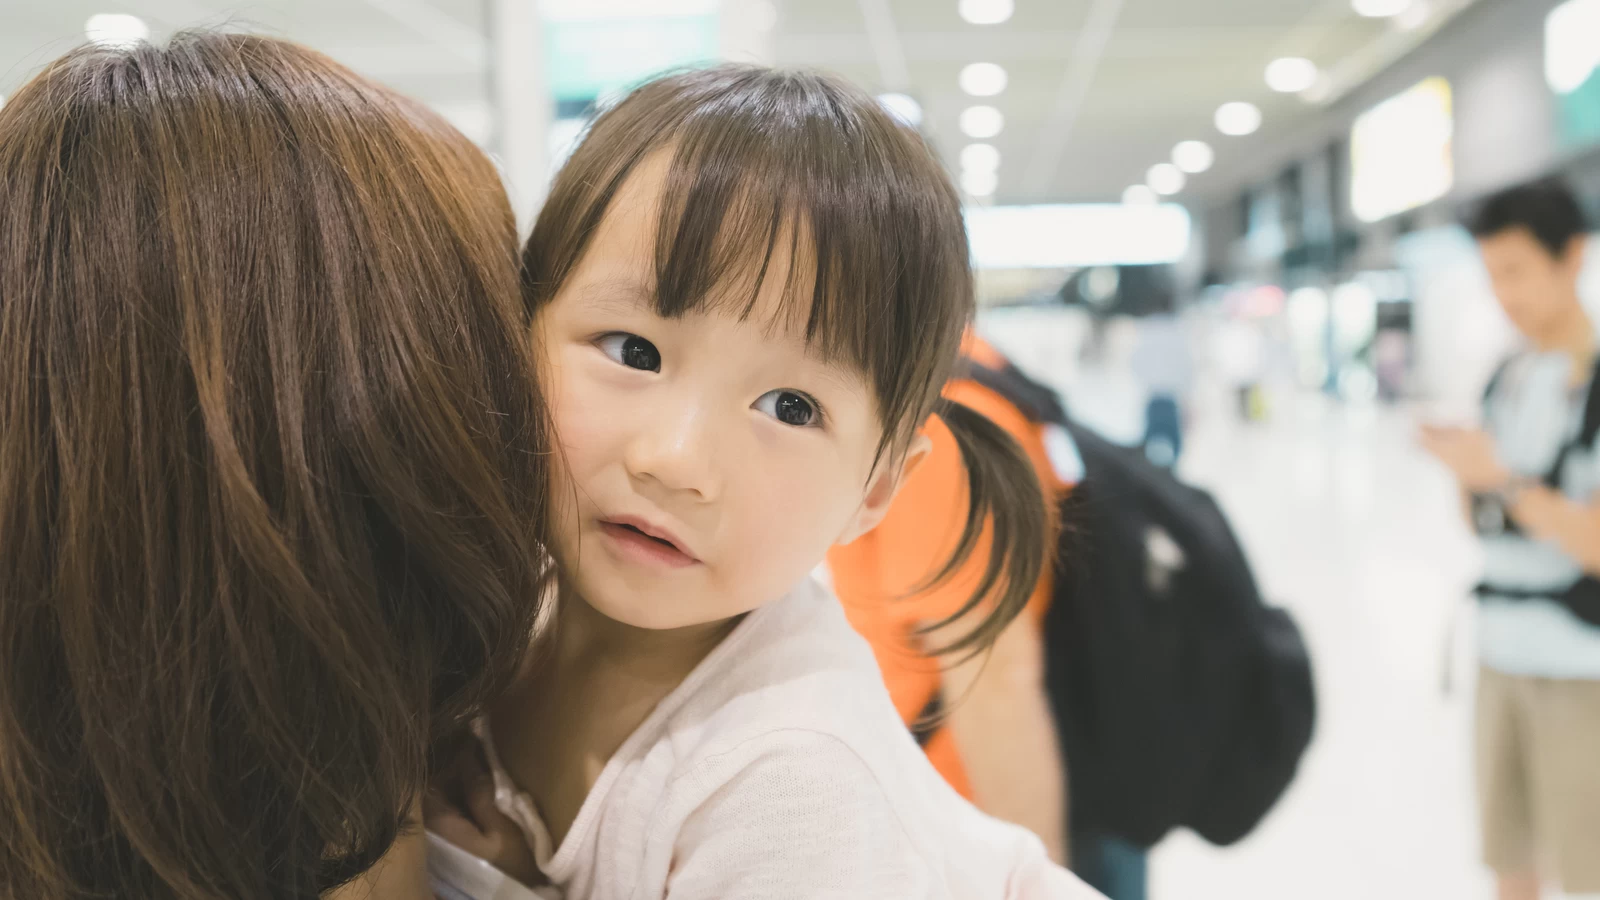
(1227, 233)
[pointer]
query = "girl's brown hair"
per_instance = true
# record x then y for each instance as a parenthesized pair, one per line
(271, 488)
(760, 156)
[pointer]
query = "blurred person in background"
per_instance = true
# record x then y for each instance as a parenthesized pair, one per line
(272, 489)
(1531, 475)
(984, 721)
(1164, 364)
(1238, 351)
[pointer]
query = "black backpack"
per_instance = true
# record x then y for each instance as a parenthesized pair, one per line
(1181, 699)
(1490, 516)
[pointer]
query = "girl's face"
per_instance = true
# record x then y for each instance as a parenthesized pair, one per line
(709, 462)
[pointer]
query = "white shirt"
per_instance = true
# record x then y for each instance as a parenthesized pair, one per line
(1531, 413)
(778, 769)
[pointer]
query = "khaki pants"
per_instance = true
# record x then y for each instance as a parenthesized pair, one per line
(1539, 777)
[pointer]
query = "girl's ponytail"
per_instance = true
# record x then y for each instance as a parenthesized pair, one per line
(1006, 502)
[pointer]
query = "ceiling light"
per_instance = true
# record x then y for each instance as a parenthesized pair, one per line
(1380, 9)
(116, 29)
(982, 122)
(1291, 74)
(1571, 54)
(986, 12)
(1165, 179)
(979, 158)
(979, 182)
(1140, 195)
(902, 107)
(1238, 119)
(983, 79)
(1193, 157)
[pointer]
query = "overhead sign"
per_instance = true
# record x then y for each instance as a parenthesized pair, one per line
(1402, 152)
(1571, 61)
(1076, 235)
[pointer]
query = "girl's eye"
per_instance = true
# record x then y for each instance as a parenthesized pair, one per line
(631, 350)
(790, 408)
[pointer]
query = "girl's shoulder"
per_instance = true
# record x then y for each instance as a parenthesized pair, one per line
(790, 762)
(794, 664)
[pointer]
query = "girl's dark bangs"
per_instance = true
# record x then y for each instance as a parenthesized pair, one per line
(744, 205)
(783, 175)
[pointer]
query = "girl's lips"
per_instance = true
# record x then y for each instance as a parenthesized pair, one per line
(631, 541)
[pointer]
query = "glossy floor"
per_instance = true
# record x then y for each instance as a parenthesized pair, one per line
(1358, 534)
(1352, 528)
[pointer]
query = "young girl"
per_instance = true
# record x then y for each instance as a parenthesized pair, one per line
(749, 287)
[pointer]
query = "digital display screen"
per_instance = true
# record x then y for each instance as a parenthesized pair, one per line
(1402, 152)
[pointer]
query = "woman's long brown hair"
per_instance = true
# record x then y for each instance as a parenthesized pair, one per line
(272, 471)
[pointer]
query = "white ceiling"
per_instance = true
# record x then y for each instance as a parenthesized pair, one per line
(1099, 89)
(432, 49)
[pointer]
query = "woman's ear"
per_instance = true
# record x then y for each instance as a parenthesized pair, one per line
(883, 488)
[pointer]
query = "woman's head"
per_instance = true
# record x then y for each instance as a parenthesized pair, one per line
(752, 286)
(271, 472)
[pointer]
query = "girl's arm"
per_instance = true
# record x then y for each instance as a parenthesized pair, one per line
(459, 875)
(474, 851)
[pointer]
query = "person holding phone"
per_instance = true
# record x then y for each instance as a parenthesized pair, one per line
(1531, 477)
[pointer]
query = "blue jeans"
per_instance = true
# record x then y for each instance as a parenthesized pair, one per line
(1110, 864)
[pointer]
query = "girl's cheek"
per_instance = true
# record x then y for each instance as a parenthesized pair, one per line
(582, 407)
(795, 513)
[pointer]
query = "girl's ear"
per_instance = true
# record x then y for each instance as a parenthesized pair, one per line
(883, 488)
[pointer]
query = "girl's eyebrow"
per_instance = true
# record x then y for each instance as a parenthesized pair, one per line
(619, 296)
(843, 380)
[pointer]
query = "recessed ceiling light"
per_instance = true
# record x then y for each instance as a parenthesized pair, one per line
(986, 12)
(1571, 55)
(983, 79)
(1193, 157)
(1238, 119)
(1291, 74)
(1140, 195)
(979, 182)
(982, 122)
(1380, 9)
(979, 158)
(903, 107)
(1165, 179)
(116, 29)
